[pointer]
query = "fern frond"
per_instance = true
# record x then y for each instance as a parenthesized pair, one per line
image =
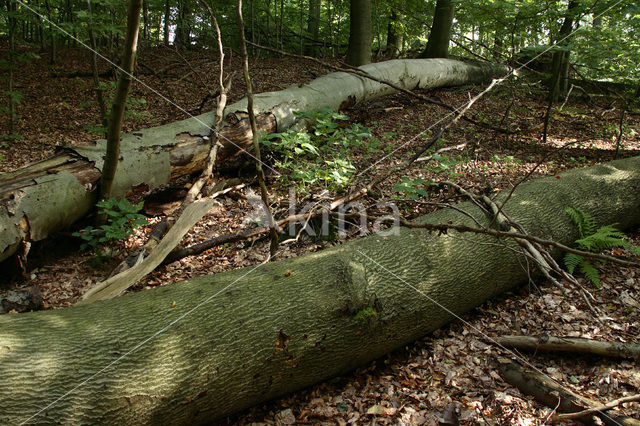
(605, 237)
(590, 272)
(585, 223)
(571, 261)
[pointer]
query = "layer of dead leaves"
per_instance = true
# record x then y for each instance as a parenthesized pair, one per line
(449, 376)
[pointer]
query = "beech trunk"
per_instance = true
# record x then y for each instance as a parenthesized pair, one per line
(199, 350)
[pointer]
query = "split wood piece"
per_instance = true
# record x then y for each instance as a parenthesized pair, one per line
(116, 285)
(550, 393)
(574, 345)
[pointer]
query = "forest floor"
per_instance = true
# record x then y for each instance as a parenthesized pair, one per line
(454, 368)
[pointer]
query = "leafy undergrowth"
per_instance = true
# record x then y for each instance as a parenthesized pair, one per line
(453, 365)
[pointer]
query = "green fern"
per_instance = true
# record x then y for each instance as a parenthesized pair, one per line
(590, 272)
(593, 240)
(585, 223)
(572, 261)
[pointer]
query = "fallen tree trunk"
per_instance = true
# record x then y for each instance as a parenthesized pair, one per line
(50, 195)
(201, 349)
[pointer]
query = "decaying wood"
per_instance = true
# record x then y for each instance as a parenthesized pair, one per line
(152, 157)
(573, 345)
(550, 393)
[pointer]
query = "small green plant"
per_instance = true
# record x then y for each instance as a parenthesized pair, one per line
(122, 219)
(323, 154)
(593, 240)
(412, 188)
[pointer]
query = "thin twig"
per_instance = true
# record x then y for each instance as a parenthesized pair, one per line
(599, 409)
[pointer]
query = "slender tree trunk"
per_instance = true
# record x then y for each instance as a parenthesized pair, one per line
(254, 131)
(313, 27)
(180, 39)
(376, 21)
(268, 40)
(52, 35)
(438, 44)
(280, 31)
(167, 17)
(11, 9)
(560, 65)
(41, 39)
(122, 91)
(94, 68)
(145, 19)
(395, 34)
(359, 50)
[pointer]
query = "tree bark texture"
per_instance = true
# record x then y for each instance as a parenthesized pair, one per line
(195, 351)
(360, 38)
(438, 43)
(48, 196)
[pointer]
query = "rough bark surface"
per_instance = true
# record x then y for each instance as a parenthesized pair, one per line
(45, 197)
(197, 350)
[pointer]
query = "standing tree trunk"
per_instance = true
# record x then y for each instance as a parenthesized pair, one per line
(395, 35)
(313, 27)
(94, 67)
(167, 16)
(560, 65)
(52, 35)
(11, 10)
(438, 44)
(122, 91)
(145, 19)
(359, 50)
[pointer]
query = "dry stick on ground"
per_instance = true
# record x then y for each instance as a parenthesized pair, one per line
(572, 344)
(599, 409)
(550, 393)
(356, 71)
(254, 130)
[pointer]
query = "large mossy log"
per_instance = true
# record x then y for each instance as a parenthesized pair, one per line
(50, 195)
(201, 349)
